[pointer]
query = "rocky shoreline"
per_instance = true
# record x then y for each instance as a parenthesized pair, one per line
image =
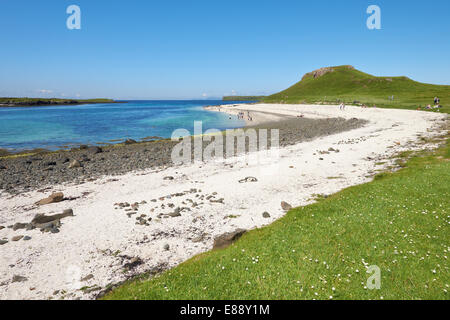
(25, 173)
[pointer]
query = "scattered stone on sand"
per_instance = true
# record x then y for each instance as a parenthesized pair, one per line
(266, 214)
(285, 206)
(94, 150)
(16, 238)
(248, 179)
(168, 178)
(26, 238)
(19, 225)
(2, 227)
(226, 239)
(175, 213)
(42, 219)
(87, 278)
(199, 238)
(2, 242)
(91, 289)
(130, 141)
(74, 164)
(26, 173)
(54, 198)
(17, 278)
(50, 223)
(166, 247)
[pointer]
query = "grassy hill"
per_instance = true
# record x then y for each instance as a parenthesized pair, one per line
(346, 84)
(20, 102)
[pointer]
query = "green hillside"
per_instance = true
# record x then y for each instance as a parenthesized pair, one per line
(346, 84)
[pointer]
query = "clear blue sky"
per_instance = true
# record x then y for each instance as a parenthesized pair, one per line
(144, 49)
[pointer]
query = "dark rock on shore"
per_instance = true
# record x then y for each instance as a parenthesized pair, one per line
(228, 238)
(17, 278)
(95, 150)
(75, 166)
(55, 197)
(285, 206)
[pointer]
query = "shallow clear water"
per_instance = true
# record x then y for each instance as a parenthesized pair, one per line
(54, 127)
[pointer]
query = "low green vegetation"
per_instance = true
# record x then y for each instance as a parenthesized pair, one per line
(17, 102)
(334, 85)
(242, 98)
(398, 222)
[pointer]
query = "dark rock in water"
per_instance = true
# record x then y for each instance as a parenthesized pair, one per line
(17, 278)
(16, 238)
(55, 197)
(266, 215)
(2, 242)
(74, 164)
(95, 150)
(228, 238)
(285, 206)
(130, 141)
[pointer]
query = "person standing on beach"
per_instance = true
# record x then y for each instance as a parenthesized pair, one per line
(342, 106)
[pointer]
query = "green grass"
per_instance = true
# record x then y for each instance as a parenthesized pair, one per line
(346, 84)
(399, 222)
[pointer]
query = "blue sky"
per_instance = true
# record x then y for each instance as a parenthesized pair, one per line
(144, 49)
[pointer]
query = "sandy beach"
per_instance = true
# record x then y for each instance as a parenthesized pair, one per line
(111, 237)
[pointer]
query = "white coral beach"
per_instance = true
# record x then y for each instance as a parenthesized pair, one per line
(100, 239)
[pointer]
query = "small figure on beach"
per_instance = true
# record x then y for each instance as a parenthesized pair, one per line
(342, 106)
(436, 100)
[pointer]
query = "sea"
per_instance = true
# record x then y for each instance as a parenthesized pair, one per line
(63, 127)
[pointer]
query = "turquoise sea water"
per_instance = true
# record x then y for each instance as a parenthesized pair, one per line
(55, 127)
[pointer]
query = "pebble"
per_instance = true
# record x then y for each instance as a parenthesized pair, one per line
(17, 278)
(16, 238)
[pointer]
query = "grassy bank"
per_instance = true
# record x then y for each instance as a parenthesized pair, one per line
(399, 222)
